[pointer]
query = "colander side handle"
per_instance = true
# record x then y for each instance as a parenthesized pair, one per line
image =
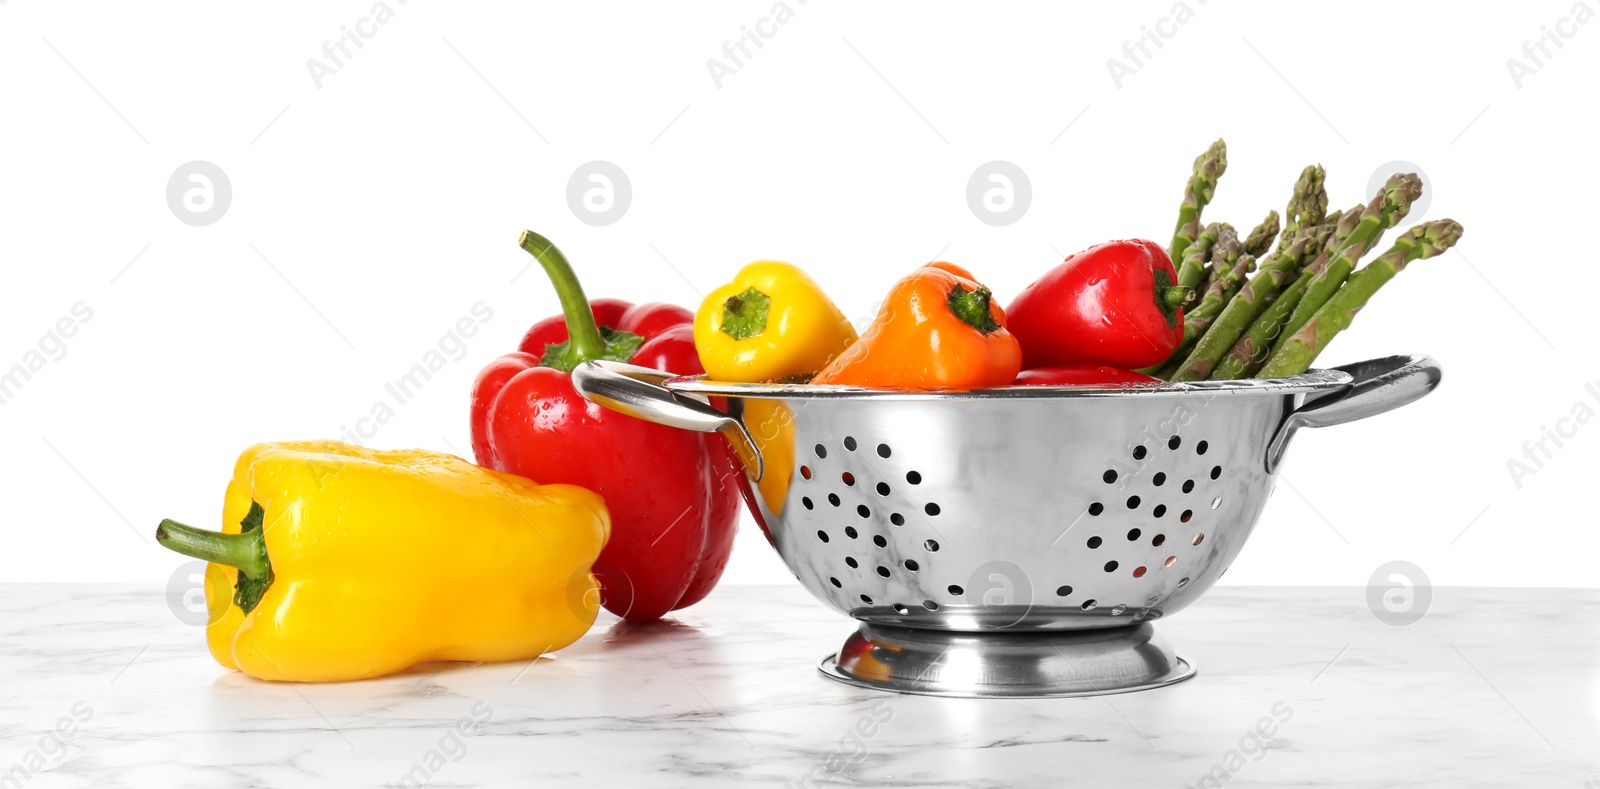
(1380, 385)
(637, 391)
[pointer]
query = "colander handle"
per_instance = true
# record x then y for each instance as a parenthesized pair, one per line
(637, 392)
(1380, 385)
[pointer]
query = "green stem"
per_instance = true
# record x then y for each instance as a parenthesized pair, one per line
(246, 551)
(972, 307)
(586, 340)
(1174, 296)
(745, 315)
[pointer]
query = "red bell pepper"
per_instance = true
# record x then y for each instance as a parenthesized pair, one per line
(673, 494)
(1081, 375)
(1116, 303)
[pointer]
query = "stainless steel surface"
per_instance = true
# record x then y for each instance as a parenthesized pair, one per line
(636, 391)
(1017, 510)
(1380, 385)
(1005, 664)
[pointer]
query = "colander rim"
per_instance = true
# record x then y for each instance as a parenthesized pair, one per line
(1307, 382)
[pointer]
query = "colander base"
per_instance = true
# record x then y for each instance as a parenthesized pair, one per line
(1007, 664)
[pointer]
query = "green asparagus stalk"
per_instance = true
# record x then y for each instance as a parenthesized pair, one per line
(1192, 268)
(1208, 167)
(1307, 204)
(1242, 310)
(1384, 212)
(1226, 276)
(1260, 239)
(1335, 315)
(1251, 350)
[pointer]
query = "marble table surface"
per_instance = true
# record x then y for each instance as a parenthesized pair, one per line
(103, 686)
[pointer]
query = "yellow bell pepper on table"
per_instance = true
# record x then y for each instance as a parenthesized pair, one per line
(337, 562)
(771, 323)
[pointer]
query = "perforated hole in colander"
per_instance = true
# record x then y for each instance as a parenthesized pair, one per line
(931, 508)
(955, 589)
(863, 511)
(883, 450)
(1200, 448)
(1094, 542)
(850, 531)
(1159, 479)
(822, 535)
(897, 519)
(878, 540)
(1096, 508)
(1133, 534)
(1174, 442)
(833, 498)
(848, 479)
(913, 478)
(930, 545)
(1063, 591)
(850, 443)
(883, 488)
(851, 560)
(901, 609)
(806, 501)
(1133, 502)
(911, 564)
(1159, 511)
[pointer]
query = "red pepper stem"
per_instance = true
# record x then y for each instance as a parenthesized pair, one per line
(584, 339)
(1177, 296)
(247, 551)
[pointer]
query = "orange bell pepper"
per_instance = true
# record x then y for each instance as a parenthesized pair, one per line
(937, 329)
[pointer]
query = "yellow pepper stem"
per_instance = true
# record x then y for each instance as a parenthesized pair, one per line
(245, 551)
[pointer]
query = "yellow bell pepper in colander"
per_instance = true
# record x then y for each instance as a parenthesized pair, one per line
(337, 562)
(771, 323)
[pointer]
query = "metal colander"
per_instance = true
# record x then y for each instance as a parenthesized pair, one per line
(1015, 541)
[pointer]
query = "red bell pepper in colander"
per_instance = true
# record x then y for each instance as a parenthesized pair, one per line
(673, 495)
(1116, 303)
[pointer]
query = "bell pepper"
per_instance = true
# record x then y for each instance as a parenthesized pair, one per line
(937, 329)
(772, 322)
(1081, 375)
(337, 562)
(1116, 303)
(673, 494)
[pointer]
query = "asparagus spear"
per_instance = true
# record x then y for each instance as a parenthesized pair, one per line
(1307, 203)
(1208, 167)
(1224, 281)
(1192, 268)
(1260, 238)
(1419, 243)
(1384, 212)
(1243, 309)
(1252, 350)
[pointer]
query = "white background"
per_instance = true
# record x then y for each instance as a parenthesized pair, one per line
(370, 214)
